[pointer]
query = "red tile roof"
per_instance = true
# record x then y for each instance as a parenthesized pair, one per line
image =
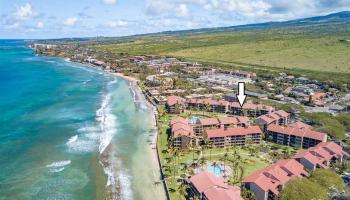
(208, 121)
(233, 120)
(297, 132)
(252, 106)
(181, 127)
(277, 174)
(214, 187)
(273, 117)
(233, 131)
(172, 100)
(300, 125)
(323, 152)
(178, 120)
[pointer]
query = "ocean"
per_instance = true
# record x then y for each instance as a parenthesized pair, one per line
(71, 131)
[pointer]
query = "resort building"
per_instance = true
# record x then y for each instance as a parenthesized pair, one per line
(321, 155)
(182, 133)
(295, 137)
(207, 104)
(267, 183)
(249, 109)
(202, 124)
(185, 131)
(207, 186)
(279, 117)
(234, 136)
(175, 104)
(221, 106)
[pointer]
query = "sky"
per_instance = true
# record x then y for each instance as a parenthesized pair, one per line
(34, 19)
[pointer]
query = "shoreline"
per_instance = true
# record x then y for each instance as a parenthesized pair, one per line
(156, 165)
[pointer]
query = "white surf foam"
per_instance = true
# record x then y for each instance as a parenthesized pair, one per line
(72, 139)
(84, 142)
(107, 123)
(125, 184)
(57, 170)
(59, 164)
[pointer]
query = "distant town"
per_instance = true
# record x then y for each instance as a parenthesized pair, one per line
(210, 147)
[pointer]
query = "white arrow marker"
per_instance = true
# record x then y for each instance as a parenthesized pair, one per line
(241, 93)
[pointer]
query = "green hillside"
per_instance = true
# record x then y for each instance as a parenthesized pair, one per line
(320, 47)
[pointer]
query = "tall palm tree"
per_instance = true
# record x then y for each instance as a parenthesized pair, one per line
(202, 161)
(183, 189)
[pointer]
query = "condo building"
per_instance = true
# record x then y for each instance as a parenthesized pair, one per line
(239, 136)
(295, 137)
(267, 183)
(321, 156)
(207, 186)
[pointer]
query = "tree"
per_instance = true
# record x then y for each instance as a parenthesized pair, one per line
(327, 179)
(183, 189)
(247, 194)
(302, 188)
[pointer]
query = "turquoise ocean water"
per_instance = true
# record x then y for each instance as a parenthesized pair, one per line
(55, 119)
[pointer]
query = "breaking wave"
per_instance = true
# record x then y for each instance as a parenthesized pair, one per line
(58, 164)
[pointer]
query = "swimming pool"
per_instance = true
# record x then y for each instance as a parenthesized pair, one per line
(193, 119)
(215, 169)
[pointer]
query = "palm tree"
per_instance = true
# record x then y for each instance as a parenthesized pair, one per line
(183, 189)
(190, 147)
(202, 161)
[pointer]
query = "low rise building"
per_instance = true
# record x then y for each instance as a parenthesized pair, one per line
(175, 104)
(182, 133)
(321, 156)
(269, 182)
(234, 136)
(207, 186)
(296, 137)
(203, 124)
(279, 117)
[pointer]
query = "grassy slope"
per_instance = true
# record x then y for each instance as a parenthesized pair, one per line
(312, 49)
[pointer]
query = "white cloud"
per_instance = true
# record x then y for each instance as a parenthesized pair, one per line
(109, 2)
(157, 7)
(182, 11)
(40, 25)
(12, 26)
(70, 21)
(25, 12)
(118, 23)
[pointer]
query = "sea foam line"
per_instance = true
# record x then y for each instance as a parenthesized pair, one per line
(59, 164)
(107, 122)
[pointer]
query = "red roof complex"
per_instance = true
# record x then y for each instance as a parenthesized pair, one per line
(210, 187)
(320, 155)
(222, 106)
(239, 131)
(270, 181)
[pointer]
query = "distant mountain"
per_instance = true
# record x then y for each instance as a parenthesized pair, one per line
(334, 18)
(326, 22)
